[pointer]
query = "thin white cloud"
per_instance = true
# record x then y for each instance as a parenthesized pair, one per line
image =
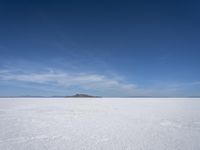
(87, 81)
(4, 71)
(95, 83)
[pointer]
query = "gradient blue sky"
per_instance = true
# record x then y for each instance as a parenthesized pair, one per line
(108, 48)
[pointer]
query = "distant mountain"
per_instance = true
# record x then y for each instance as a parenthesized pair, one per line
(81, 96)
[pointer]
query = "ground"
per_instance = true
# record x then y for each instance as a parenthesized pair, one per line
(99, 123)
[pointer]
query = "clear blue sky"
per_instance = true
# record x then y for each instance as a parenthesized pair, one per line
(108, 48)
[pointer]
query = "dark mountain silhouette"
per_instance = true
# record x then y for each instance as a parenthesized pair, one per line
(81, 95)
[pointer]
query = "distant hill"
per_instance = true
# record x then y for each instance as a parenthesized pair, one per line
(81, 96)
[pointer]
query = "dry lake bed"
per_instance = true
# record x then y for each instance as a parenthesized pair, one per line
(100, 123)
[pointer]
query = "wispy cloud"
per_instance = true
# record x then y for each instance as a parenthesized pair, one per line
(106, 85)
(87, 81)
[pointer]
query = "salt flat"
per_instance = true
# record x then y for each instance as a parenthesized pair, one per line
(100, 124)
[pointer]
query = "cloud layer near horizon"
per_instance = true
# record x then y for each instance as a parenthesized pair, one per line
(85, 81)
(62, 82)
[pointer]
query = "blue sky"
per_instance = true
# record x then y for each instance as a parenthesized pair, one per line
(108, 48)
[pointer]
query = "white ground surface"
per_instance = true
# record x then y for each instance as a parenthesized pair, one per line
(99, 124)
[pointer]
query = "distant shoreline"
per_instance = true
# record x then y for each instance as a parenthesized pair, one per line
(100, 97)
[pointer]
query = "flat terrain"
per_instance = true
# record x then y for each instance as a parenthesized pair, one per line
(99, 124)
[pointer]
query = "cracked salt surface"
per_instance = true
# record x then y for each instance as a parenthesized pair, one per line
(100, 124)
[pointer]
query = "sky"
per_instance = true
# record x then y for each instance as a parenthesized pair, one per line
(106, 48)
